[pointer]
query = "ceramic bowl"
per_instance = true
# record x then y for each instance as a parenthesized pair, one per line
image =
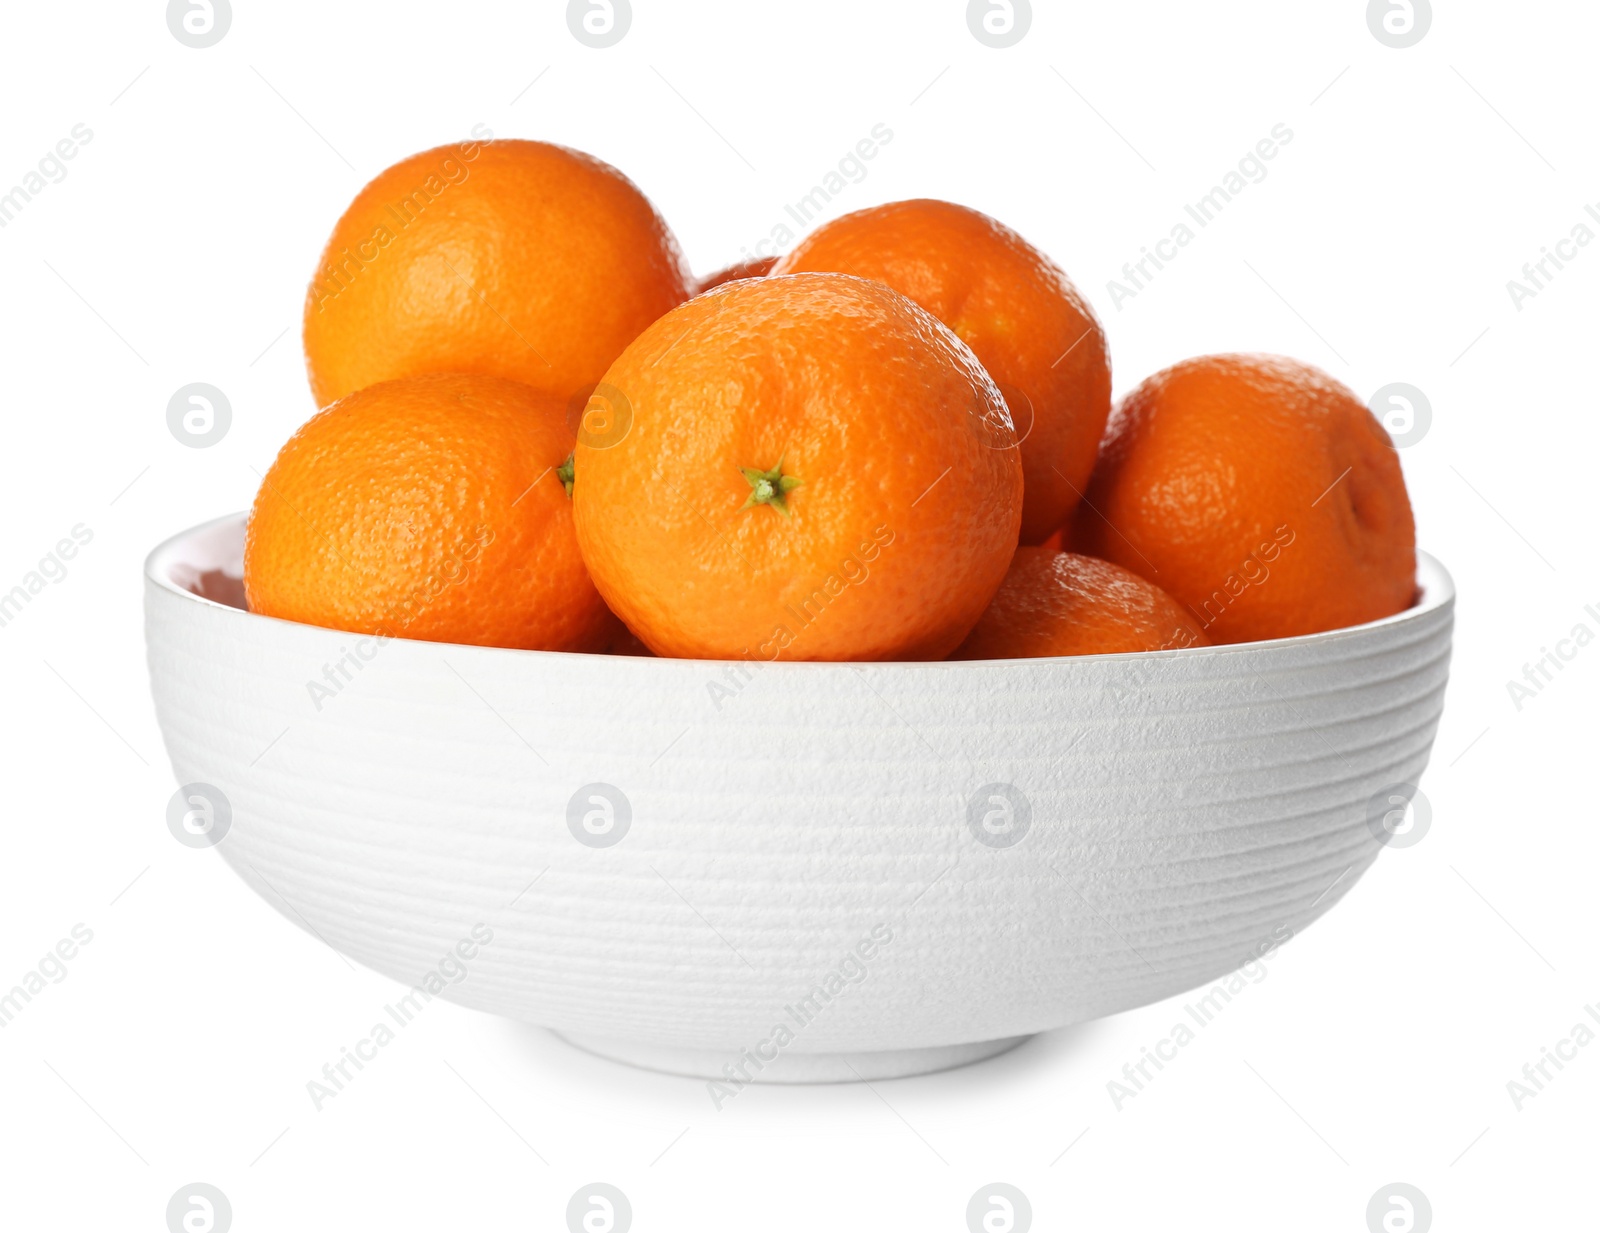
(786, 871)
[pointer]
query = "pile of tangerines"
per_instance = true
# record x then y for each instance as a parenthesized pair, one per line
(896, 442)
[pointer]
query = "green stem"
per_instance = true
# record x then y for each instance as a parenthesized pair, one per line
(769, 487)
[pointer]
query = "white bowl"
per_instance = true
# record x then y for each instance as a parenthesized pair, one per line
(814, 879)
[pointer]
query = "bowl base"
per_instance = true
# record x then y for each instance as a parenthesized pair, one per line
(733, 1068)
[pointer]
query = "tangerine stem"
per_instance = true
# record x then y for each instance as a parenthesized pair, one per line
(769, 487)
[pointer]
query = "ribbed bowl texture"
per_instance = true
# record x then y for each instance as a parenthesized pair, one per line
(900, 865)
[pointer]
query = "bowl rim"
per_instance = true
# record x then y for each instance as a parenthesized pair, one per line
(1436, 587)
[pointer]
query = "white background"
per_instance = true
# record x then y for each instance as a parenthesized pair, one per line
(177, 248)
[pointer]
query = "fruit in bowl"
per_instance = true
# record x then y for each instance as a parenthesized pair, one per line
(1260, 492)
(515, 259)
(1015, 308)
(901, 751)
(808, 467)
(1060, 603)
(428, 507)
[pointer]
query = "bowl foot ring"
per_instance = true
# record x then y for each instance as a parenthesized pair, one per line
(731, 1066)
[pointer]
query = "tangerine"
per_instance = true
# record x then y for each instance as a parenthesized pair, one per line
(807, 467)
(514, 259)
(1061, 603)
(1014, 307)
(428, 507)
(1259, 492)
